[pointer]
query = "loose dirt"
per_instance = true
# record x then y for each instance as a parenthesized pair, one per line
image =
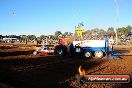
(19, 68)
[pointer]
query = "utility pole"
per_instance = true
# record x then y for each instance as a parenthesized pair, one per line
(117, 19)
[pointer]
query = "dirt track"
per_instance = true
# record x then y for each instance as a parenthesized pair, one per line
(20, 69)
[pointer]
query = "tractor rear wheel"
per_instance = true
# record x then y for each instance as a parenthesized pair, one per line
(87, 54)
(60, 50)
(78, 50)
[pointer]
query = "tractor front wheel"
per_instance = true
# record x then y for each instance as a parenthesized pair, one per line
(98, 54)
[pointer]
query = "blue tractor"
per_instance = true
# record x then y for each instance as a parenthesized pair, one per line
(87, 48)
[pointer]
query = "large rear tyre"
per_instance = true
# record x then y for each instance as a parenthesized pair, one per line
(60, 50)
(98, 54)
(87, 54)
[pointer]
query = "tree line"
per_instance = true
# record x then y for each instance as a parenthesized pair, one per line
(94, 32)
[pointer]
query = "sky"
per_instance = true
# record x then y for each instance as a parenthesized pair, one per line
(44, 17)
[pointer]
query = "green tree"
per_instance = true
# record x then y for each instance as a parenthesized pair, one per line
(42, 37)
(31, 37)
(57, 33)
(101, 32)
(128, 29)
(23, 37)
(1, 36)
(80, 24)
(111, 31)
(124, 30)
(66, 33)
